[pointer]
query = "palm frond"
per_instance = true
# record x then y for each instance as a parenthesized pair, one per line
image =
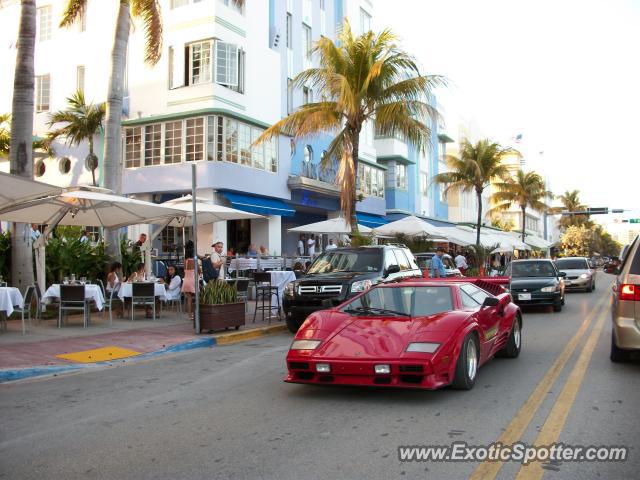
(149, 12)
(73, 12)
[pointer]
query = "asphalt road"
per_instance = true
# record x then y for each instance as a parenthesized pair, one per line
(225, 413)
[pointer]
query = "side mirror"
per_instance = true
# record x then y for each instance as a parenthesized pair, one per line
(392, 269)
(562, 274)
(491, 302)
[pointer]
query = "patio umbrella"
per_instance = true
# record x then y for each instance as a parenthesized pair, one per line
(331, 226)
(410, 226)
(80, 207)
(206, 212)
(14, 189)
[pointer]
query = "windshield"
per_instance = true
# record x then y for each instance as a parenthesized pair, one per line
(412, 301)
(532, 269)
(571, 264)
(346, 261)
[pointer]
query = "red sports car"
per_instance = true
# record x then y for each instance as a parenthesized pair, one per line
(418, 333)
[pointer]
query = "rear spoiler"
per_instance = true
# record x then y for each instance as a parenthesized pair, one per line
(493, 285)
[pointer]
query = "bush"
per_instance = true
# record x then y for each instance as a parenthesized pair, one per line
(359, 240)
(66, 256)
(130, 257)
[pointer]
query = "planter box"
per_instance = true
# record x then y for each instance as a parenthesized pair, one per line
(219, 317)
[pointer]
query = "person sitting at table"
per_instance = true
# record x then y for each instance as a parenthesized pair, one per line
(298, 269)
(114, 279)
(139, 275)
(230, 252)
(251, 251)
(189, 285)
(173, 284)
(263, 250)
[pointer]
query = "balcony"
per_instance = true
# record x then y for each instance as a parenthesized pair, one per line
(316, 179)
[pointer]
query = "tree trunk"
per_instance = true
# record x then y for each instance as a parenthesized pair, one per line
(524, 218)
(112, 143)
(479, 224)
(91, 164)
(21, 148)
(354, 194)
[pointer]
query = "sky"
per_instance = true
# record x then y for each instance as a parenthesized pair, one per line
(564, 74)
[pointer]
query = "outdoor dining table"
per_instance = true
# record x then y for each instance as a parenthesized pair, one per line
(91, 292)
(280, 279)
(244, 264)
(10, 297)
(126, 290)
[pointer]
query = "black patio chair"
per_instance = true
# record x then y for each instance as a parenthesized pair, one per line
(72, 298)
(143, 294)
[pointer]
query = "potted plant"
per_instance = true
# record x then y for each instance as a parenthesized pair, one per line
(220, 307)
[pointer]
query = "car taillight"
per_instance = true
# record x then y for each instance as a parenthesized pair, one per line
(627, 291)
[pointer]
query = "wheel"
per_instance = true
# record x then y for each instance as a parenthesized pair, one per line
(590, 289)
(294, 323)
(617, 354)
(593, 287)
(557, 307)
(512, 348)
(467, 364)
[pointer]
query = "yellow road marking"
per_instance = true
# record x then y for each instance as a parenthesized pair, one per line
(488, 470)
(99, 354)
(554, 424)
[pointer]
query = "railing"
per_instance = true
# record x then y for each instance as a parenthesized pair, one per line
(316, 172)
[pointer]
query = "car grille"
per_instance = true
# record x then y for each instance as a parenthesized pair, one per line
(312, 289)
(572, 278)
(410, 368)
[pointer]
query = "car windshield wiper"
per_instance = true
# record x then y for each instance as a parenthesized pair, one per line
(377, 311)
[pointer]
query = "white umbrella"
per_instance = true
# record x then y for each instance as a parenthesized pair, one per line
(410, 226)
(206, 212)
(14, 189)
(331, 226)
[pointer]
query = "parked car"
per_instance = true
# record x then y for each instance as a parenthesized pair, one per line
(416, 333)
(536, 282)
(579, 274)
(625, 311)
(424, 262)
(340, 274)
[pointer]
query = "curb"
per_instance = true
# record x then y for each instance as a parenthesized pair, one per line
(10, 375)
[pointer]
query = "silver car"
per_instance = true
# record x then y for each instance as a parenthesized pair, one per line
(580, 275)
(625, 309)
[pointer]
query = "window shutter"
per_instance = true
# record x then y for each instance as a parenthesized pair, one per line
(176, 66)
(226, 64)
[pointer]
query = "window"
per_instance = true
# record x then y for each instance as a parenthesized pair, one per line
(39, 168)
(305, 95)
(173, 142)
(199, 63)
(365, 21)
(474, 292)
(424, 184)
(371, 180)
(306, 42)
(244, 142)
(235, 5)
(289, 32)
(289, 96)
(194, 139)
(467, 300)
(80, 78)
(271, 155)
(227, 64)
(401, 176)
(64, 165)
(44, 23)
(403, 263)
(133, 147)
(92, 232)
(220, 139)
(43, 86)
(211, 138)
(153, 144)
(231, 140)
(168, 238)
(257, 152)
(308, 154)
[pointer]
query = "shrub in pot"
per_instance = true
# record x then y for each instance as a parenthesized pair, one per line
(220, 307)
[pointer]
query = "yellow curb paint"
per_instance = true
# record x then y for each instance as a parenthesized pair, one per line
(556, 420)
(236, 337)
(99, 354)
(488, 470)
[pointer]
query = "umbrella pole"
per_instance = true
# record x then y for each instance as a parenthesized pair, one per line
(196, 310)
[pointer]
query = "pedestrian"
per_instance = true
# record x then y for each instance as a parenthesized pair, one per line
(83, 237)
(331, 246)
(437, 267)
(217, 259)
(311, 244)
(35, 232)
(461, 262)
(301, 245)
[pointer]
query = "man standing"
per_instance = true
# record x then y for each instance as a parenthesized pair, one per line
(461, 262)
(437, 267)
(311, 243)
(217, 260)
(301, 245)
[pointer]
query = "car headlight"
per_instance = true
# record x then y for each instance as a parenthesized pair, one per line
(305, 344)
(289, 289)
(423, 347)
(361, 286)
(549, 289)
(584, 275)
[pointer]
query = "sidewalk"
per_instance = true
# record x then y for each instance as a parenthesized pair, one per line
(46, 349)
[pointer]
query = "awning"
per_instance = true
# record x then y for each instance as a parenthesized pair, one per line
(371, 221)
(259, 205)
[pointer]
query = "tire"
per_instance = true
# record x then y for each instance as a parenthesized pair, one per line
(617, 354)
(557, 307)
(466, 368)
(514, 344)
(562, 299)
(294, 323)
(591, 288)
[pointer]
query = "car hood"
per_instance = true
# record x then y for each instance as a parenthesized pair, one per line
(532, 282)
(376, 337)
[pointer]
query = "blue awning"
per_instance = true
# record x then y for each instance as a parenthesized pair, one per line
(259, 205)
(371, 221)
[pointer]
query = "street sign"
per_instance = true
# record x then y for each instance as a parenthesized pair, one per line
(634, 220)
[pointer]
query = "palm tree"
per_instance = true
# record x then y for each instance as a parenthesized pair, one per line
(526, 190)
(82, 121)
(148, 11)
(20, 150)
(571, 202)
(473, 170)
(360, 79)
(5, 139)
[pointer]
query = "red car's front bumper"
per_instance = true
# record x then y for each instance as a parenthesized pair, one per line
(404, 374)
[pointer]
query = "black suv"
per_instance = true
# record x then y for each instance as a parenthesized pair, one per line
(339, 274)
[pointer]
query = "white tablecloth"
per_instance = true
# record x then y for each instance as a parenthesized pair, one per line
(91, 291)
(280, 279)
(126, 289)
(252, 264)
(10, 297)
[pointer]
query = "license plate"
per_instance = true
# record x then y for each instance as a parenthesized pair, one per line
(567, 282)
(524, 296)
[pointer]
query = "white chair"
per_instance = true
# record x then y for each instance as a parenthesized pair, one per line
(113, 297)
(26, 306)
